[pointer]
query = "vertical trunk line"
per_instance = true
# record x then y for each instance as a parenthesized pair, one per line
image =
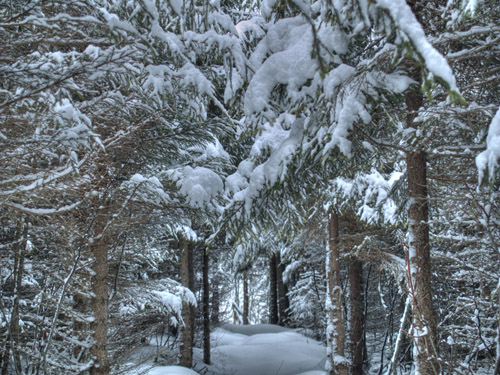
(335, 334)
(100, 298)
(206, 307)
(283, 301)
(357, 315)
(246, 298)
(185, 272)
(273, 291)
(424, 321)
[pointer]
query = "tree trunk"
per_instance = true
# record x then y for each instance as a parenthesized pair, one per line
(418, 258)
(236, 303)
(100, 298)
(215, 301)
(186, 271)
(246, 298)
(497, 364)
(336, 363)
(12, 344)
(357, 315)
(392, 369)
(206, 308)
(273, 291)
(283, 301)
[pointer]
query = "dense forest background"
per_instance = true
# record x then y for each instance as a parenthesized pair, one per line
(168, 165)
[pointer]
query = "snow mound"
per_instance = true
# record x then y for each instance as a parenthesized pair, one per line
(263, 349)
(256, 329)
(171, 370)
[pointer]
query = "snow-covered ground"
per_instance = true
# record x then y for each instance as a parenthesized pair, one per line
(256, 350)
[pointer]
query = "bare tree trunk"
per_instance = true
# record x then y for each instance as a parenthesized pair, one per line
(206, 308)
(246, 298)
(357, 315)
(273, 291)
(497, 362)
(215, 302)
(236, 303)
(186, 271)
(418, 258)
(335, 331)
(100, 298)
(12, 344)
(283, 301)
(391, 370)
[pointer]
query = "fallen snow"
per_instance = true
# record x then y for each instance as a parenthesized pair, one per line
(171, 370)
(262, 349)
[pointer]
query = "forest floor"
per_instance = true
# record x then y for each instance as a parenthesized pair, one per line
(255, 350)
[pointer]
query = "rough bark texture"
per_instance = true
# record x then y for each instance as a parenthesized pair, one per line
(357, 315)
(418, 258)
(206, 308)
(246, 299)
(236, 303)
(335, 334)
(283, 301)
(12, 344)
(215, 302)
(100, 299)
(273, 291)
(185, 272)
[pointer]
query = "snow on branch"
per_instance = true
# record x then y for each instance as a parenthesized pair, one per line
(489, 158)
(402, 15)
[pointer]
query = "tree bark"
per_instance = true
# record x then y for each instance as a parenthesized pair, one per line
(418, 257)
(357, 315)
(12, 344)
(283, 301)
(246, 298)
(391, 370)
(215, 302)
(273, 291)
(336, 364)
(186, 271)
(100, 298)
(206, 307)
(236, 303)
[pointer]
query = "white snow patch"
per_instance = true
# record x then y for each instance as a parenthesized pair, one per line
(171, 370)
(265, 349)
(489, 158)
(404, 18)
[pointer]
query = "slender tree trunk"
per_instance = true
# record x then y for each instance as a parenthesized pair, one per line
(391, 370)
(246, 298)
(100, 298)
(418, 257)
(186, 271)
(335, 332)
(283, 301)
(273, 291)
(357, 315)
(206, 308)
(12, 344)
(497, 363)
(215, 301)
(215, 282)
(236, 303)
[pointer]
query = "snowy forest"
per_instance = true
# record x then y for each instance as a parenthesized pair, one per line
(254, 187)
